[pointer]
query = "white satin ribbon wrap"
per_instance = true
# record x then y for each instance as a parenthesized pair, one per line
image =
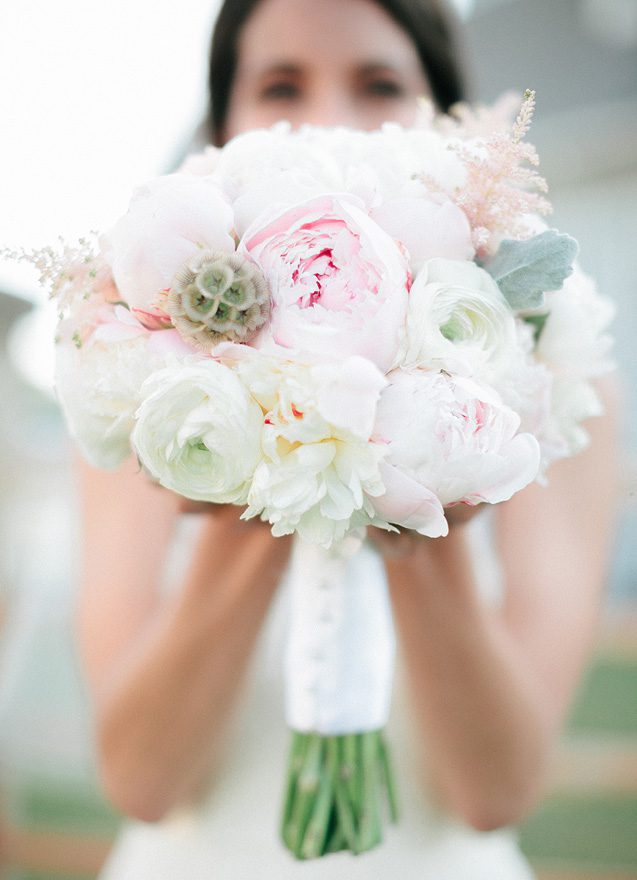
(339, 661)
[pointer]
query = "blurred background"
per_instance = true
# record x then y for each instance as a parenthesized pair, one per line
(95, 97)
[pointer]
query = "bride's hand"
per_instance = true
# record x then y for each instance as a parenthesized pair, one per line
(396, 545)
(225, 512)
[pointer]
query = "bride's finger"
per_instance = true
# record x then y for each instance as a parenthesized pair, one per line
(395, 545)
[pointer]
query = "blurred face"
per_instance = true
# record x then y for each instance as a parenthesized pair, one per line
(325, 62)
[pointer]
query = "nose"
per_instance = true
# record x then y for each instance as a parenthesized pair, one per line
(328, 107)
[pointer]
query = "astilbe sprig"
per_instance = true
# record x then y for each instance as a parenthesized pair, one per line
(500, 188)
(478, 120)
(61, 268)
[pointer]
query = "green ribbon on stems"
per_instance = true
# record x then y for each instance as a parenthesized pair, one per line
(337, 791)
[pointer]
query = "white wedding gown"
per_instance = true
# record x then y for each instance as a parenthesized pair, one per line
(233, 834)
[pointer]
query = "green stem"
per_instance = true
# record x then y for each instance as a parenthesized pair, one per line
(316, 832)
(305, 791)
(369, 832)
(388, 779)
(334, 793)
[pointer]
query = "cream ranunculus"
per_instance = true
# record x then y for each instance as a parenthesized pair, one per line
(320, 469)
(339, 283)
(452, 437)
(169, 219)
(198, 431)
(459, 321)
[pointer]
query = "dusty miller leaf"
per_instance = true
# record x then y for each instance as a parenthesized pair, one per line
(525, 270)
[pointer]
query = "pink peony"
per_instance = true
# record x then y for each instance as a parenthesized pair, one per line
(339, 283)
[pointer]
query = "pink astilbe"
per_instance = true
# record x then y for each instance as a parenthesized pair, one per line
(479, 120)
(496, 195)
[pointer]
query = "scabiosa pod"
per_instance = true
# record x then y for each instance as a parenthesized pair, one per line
(218, 297)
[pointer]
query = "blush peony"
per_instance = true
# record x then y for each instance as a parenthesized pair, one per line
(339, 283)
(451, 437)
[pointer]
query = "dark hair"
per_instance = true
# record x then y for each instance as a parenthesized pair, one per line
(428, 23)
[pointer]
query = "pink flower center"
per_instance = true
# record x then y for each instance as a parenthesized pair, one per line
(328, 267)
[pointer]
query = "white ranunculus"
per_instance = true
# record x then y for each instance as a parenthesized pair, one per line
(169, 219)
(459, 321)
(319, 468)
(99, 388)
(198, 431)
(453, 437)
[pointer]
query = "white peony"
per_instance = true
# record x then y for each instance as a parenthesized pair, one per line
(428, 226)
(452, 437)
(278, 167)
(575, 339)
(320, 468)
(458, 321)
(169, 219)
(198, 431)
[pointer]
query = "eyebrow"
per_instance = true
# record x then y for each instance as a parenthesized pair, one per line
(370, 67)
(283, 68)
(366, 68)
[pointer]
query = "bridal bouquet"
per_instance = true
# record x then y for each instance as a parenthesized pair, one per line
(336, 329)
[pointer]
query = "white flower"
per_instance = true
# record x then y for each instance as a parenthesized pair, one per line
(458, 321)
(574, 340)
(201, 164)
(198, 431)
(319, 468)
(99, 388)
(525, 384)
(575, 346)
(428, 226)
(279, 167)
(454, 438)
(169, 219)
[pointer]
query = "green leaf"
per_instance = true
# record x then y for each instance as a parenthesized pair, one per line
(525, 270)
(537, 322)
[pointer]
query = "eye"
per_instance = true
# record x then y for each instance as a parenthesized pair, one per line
(384, 88)
(277, 91)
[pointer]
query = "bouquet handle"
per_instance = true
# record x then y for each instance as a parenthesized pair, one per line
(338, 670)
